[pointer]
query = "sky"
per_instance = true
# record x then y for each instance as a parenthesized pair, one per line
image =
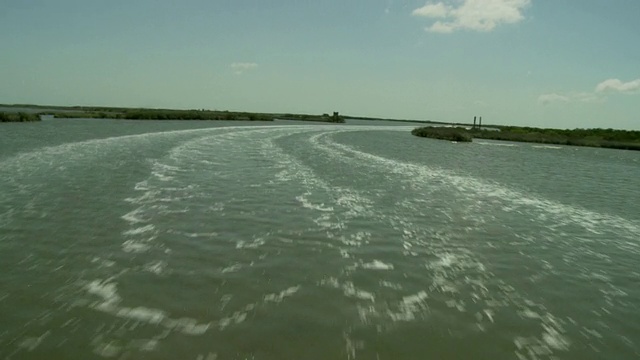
(544, 63)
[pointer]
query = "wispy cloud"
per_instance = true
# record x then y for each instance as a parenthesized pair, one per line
(597, 96)
(581, 97)
(552, 98)
(615, 85)
(476, 15)
(242, 67)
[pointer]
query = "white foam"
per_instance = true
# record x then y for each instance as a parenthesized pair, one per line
(139, 230)
(236, 318)
(31, 343)
(135, 246)
(188, 326)
(351, 291)
(108, 350)
(495, 144)
(146, 345)
(331, 282)
(156, 267)
(472, 187)
(103, 263)
(410, 306)
(256, 243)
(210, 356)
(200, 235)
(308, 205)
(106, 290)
(152, 316)
(377, 265)
(135, 216)
(161, 176)
(357, 239)
(282, 295)
(413, 301)
(554, 339)
(232, 268)
(147, 197)
(546, 147)
(142, 186)
(530, 314)
(391, 285)
(446, 260)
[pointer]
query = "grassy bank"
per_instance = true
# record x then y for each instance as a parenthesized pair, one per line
(18, 117)
(104, 112)
(162, 114)
(604, 138)
(167, 114)
(335, 118)
(443, 133)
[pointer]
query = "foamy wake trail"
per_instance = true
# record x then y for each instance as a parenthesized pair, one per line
(460, 278)
(484, 191)
(419, 266)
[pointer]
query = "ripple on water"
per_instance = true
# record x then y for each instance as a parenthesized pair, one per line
(400, 269)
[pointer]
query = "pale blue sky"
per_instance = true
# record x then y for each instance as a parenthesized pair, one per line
(560, 63)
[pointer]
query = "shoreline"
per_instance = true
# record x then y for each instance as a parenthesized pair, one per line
(595, 138)
(19, 117)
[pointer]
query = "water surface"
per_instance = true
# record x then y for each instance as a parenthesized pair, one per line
(212, 240)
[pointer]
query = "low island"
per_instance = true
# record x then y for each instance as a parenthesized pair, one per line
(121, 113)
(604, 138)
(18, 117)
(456, 134)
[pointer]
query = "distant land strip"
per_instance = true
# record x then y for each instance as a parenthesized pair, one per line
(601, 138)
(101, 112)
(597, 137)
(19, 117)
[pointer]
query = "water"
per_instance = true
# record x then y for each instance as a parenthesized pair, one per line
(206, 240)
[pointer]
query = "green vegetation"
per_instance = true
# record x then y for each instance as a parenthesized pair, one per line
(18, 117)
(335, 118)
(162, 114)
(102, 112)
(605, 138)
(443, 133)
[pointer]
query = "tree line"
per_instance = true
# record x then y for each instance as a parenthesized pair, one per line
(18, 117)
(152, 114)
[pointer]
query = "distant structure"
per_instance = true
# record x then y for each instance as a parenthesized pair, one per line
(477, 122)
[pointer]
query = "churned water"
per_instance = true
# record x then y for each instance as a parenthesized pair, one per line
(211, 240)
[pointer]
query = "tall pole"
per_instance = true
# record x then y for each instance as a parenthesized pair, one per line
(480, 123)
(474, 122)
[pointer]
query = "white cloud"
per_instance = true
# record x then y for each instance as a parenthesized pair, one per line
(442, 27)
(597, 96)
(242, 67)
(582, 97)
(438, 10)
(587, 97)
(552, 98)
(477, 15)
(616, 85)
